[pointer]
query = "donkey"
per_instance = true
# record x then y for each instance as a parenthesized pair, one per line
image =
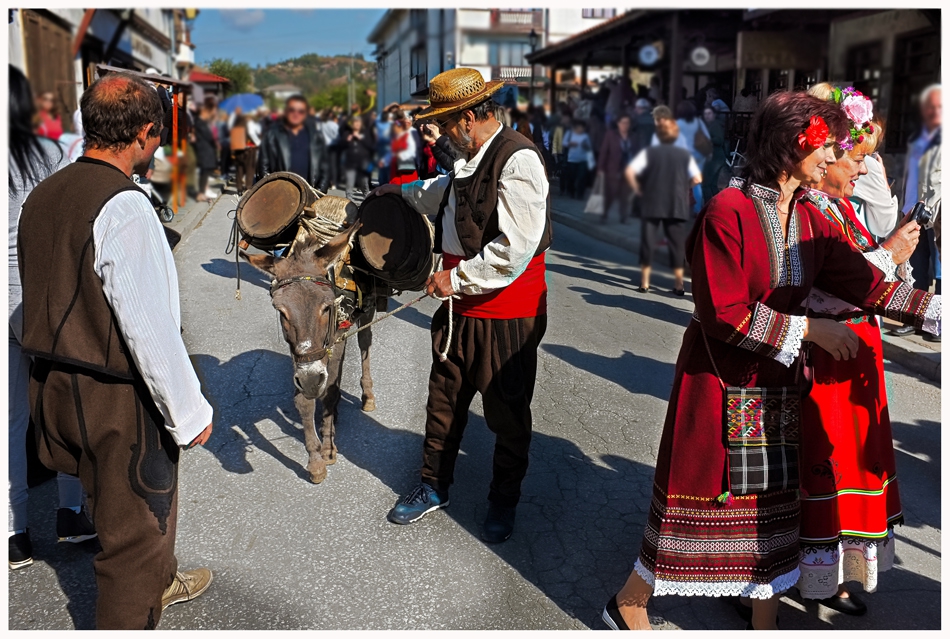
(304, 298)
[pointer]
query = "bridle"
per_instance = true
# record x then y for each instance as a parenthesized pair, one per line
(327, 350)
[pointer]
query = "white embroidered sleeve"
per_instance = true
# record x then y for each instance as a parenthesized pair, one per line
(881, 258)
(792, 345)
(932, 316)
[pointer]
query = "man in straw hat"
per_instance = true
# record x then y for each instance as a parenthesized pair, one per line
(493, 226)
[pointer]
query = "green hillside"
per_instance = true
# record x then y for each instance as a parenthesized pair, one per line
(316, 74)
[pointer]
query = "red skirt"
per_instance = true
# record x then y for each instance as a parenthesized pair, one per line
(850, 500)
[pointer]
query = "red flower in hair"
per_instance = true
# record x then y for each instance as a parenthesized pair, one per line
(815, 135)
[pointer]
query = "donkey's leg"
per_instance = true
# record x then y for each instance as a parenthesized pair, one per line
(331, 401)
(307, 409)
(365, 339)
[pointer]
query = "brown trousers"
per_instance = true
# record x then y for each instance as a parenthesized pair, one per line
(616, 188)
(499, 359)
(246, 162)
(110, 433)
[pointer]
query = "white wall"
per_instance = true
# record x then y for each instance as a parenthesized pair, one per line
(563, 23)
(474, 19)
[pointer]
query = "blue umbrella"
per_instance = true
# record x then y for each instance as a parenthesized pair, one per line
(246, 101)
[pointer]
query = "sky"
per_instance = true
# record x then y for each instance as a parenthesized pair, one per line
(266, 36)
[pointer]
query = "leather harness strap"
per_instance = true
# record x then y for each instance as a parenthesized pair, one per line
(327, 350)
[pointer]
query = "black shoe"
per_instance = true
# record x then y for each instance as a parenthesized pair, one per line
(930, 337)
(420, 502)
(643, 289)
(499, 524)
(612, 616)
(679, 292)
(900, 331)
(21, 550)
(850, 605)
(73, 527)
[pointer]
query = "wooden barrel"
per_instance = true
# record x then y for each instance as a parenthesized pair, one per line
(267, 214)
(395, 242)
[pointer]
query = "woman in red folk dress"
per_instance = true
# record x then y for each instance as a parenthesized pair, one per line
(849, 490)
(402, 168)
(756, 254)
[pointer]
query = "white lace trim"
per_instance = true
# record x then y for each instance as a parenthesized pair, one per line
(882, 258)
(932, 316)
(823, 570)
(717, 589)
(792, 344)
(905, 273)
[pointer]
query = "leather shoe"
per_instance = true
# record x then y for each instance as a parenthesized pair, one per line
(612, 617)
(499, 524)
(186, 586)
(850, 605)
(930, 337)
(900, 331)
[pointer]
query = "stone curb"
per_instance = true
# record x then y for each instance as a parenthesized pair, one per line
(915, 358)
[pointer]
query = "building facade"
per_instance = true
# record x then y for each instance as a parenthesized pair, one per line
(58, 49)
(415, 45)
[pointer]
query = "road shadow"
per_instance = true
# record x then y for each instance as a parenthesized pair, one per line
(638, 303)
(246, 390)
(226, 268)
(72, 563)
(634, 373)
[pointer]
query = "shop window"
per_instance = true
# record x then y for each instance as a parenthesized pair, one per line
(509, 53)
(864, 68)
(916, 65)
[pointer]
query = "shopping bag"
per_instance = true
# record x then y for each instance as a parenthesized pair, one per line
(595, 203)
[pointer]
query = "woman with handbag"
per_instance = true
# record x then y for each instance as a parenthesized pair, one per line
(850, 500)
(724, 517)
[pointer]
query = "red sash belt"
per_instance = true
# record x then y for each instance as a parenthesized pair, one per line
(527, 296)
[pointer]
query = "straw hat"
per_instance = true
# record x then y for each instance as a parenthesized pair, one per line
(455, 90)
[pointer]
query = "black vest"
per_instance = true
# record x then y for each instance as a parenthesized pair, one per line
(66, 317)
(476, 197)
(666, 184)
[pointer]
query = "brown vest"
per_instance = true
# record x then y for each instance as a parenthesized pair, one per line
(476, 197)
(65, 314)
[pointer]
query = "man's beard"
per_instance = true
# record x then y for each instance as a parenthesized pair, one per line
(464, 146)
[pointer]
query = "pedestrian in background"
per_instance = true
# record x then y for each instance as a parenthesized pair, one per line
(357, 157)
(224, 144)
(662, 177)
(579, 146)
(32, 159)
(330, 129)
(925, 261)
(49, 124)
(717, 161)
(402, 154)
(295, 145)
(245, 139)
(615, 155)
(113, 393)
(206, 148)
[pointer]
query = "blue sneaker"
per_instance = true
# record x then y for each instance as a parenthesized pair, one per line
(420, 502)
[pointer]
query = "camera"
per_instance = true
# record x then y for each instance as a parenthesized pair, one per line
(920, 214)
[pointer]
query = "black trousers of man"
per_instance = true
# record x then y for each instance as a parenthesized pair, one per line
(110, 433)
(499, 359)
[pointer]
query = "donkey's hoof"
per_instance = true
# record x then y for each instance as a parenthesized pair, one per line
(329, 457)
(369, 404)
(318, 471)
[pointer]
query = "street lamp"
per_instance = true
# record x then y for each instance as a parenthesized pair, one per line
(533, 43)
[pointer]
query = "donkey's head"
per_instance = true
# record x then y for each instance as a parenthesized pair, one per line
(304, 298)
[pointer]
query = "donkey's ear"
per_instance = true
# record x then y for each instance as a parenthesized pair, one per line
(266, 263)
(330, 253)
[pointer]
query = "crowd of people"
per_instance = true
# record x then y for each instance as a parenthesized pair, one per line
(775, 467)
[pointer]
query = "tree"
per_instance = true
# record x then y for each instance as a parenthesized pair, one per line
(239, 73)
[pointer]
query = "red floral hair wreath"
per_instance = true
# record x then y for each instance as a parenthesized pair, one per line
(815, 135)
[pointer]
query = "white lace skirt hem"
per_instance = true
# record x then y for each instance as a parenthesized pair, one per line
(824, 569)
(718, 589)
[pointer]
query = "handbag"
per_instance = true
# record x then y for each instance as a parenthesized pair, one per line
(595, 203)
(702, 143)
(762, 427)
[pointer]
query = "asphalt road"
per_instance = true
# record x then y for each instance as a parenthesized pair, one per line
(288, 554)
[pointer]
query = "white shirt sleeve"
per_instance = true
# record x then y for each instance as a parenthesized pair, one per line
(654, 141)
(140, 284)
(879, 205)
(522, 213)
(693, 169)
(639, 162)
(425, 196)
